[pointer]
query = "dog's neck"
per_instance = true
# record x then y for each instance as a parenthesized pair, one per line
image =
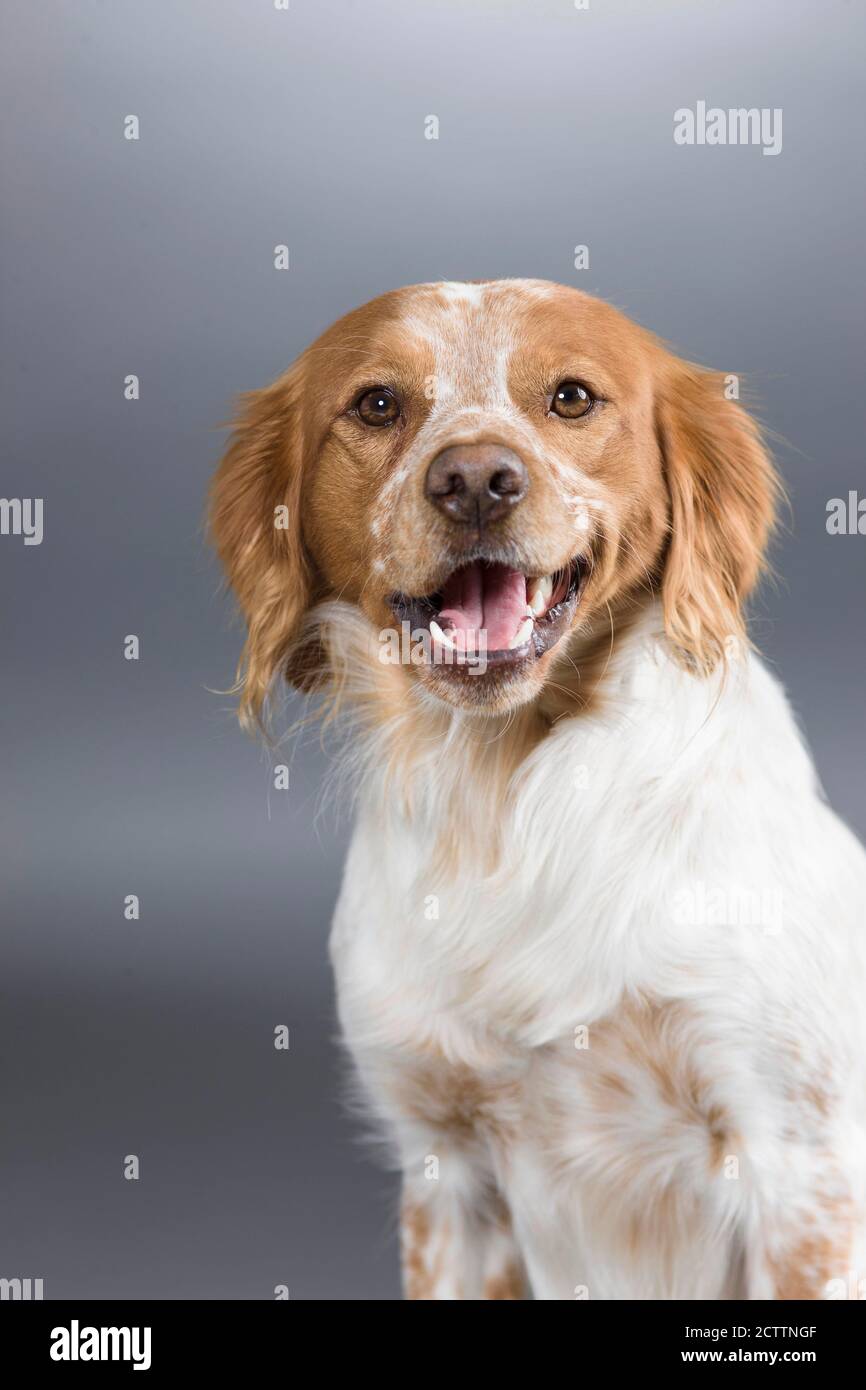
(451, 772)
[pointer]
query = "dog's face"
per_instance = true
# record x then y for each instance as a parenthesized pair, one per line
(495, 465)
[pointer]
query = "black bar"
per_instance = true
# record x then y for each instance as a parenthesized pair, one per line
(224, 1337)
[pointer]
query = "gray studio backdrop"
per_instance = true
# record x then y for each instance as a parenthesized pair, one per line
(155, 257)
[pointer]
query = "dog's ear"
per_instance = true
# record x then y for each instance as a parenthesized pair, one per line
(255, 523)
(723, 491)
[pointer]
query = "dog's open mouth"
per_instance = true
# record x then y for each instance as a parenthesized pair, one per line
(488, 608)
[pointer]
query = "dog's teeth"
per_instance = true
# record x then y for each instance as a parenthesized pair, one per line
(439, 636)
(523, 634)
(540, 594)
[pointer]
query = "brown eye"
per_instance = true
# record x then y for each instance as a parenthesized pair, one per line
(378, 407)
(571, 400)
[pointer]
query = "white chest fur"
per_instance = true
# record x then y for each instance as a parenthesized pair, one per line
(612, 1004)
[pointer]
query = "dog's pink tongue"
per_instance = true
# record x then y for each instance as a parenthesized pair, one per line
(487, 597)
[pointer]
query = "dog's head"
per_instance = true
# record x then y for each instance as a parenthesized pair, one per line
(497, 466)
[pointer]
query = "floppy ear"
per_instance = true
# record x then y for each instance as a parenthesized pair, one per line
(255, 511)
(723, 491)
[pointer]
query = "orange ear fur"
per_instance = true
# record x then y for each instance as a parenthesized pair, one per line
(255, 510)
(723, 492)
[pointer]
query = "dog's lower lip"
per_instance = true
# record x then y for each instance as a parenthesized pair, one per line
(548, 627)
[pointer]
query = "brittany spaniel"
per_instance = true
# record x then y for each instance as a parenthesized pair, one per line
(599, 946)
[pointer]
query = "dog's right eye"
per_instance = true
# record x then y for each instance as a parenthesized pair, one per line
(378, 406)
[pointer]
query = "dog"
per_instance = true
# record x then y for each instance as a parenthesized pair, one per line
(599, 946)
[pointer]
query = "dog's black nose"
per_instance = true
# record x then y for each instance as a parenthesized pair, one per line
(475, 484)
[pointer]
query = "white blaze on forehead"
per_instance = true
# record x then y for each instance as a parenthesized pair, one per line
(459, 292)
(470, 331)
(472, 341)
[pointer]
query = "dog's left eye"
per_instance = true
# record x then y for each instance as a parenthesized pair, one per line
(378, 407)
(571, 400)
